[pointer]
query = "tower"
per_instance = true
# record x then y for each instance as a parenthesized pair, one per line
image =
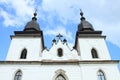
(90, 43)
(27, 44)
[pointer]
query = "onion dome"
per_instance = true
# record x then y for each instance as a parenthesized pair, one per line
(84, 25)
(32, 25)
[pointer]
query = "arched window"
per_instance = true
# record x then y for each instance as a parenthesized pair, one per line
(94, 53)
(60, 52)
(60, 77)
(101, 75)
(18, 75)
(23, 54)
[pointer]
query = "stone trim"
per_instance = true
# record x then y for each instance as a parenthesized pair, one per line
(27, 34)
(60, 62)
(58, 72)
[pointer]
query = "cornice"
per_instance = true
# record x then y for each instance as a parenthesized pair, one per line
(61, 62)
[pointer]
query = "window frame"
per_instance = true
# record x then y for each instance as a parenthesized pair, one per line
(101, 75)
(23, 54)
(60, 75)
(94, 53)
(60, 72)
(59, 52)
(18, 75)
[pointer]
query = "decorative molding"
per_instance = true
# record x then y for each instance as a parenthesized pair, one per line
(62, 62)
(60, 72)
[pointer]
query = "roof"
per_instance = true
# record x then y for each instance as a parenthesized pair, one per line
(84, 25)
(32, 25)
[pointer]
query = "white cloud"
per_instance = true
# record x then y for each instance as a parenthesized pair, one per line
(65, 10)
(23, 7)
(6, 16)
(50, 32)
(57, 30)
(110, 30)
(104, 15)
(3, 1)
(16, 12)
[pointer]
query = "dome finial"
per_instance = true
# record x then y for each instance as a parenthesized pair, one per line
(81, 13)
(35, 14)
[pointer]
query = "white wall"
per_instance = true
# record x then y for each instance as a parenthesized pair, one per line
(32, 44)
(89, 71)
(86, 44)
(67, 52)
(47, 72)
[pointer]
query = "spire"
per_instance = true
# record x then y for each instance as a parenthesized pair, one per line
(35, 14)
(84, 25)
(54, 41)
(81, 13)
(32, 25)
(64, 41)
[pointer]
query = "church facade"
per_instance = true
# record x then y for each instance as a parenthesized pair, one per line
(28, 59)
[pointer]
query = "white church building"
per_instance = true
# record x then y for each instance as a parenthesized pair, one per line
(28, 59)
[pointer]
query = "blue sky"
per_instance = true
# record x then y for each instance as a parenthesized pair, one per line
(60, 16)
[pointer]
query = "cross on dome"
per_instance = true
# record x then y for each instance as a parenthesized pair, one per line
(81, 13)
(35, 14)
(84, 25)
(32, 25)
